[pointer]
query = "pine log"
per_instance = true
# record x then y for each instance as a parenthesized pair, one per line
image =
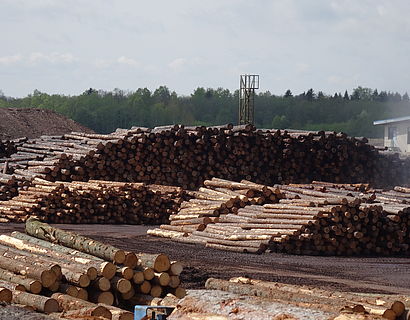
(5, 295)
(158, 262)
(27, 243)
(46, 232)
(44, 275)
(31, 285)
(39, 303)
(97, 311)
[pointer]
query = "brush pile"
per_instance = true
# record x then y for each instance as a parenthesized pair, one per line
(81, 276)
(316, 219)
(93, 202)
(187, 156)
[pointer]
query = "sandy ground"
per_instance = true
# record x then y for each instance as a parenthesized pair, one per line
(350, 274)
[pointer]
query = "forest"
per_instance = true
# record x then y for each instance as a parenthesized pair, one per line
(104, 111)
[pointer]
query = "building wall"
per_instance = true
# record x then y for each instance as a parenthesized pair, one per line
(401, 137)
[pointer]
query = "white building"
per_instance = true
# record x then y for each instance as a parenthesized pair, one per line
(396, 133)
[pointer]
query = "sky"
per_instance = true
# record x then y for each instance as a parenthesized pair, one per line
(68, 46)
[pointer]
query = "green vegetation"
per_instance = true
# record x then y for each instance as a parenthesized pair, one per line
(105, 111)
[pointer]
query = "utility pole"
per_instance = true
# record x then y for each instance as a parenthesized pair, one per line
(248, 84)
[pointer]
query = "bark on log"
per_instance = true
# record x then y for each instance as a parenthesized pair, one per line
(40, 303)
(98, 311)
(46, 232)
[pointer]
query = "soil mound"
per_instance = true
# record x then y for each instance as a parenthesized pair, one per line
(32, 123)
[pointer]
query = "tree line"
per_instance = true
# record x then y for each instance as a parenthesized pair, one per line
(104, 111)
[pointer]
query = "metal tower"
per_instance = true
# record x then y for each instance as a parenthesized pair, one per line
(248, 84)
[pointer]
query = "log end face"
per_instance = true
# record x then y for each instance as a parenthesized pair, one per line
(102, 312)
(5, 295)
(51, 305)
(84, 281)
(131, 260)
(108, 270)
(124, 286)
(92, 273)
(119, 256)
(48, 278)
(35, 287)
(161, 263)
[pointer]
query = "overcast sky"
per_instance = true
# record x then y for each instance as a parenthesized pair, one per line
(67, 46)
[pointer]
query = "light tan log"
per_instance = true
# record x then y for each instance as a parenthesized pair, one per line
(118, 314)
(97, 311)
(125, 272)
(31, 285)
(44, 275)
(176, 268)
(102, 284)
(28, 243)
(68, 289)
(105, 297)
(40, 303)
(120, 284)
(158, 262)
(46, 232)
(70, 303)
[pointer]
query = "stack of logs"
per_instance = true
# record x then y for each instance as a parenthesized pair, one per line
(318, 219)
(93, 202)
(218, 199)
(8, 147)
(378, 306)
(81, 276)
(10, 186)
(187, 156)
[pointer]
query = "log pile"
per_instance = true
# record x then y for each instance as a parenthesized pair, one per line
(187, 156)
(316, 219)
(219, 198)
(380, 305)
(93, 202)
(8, 147)
(53, 270)
(10, 186)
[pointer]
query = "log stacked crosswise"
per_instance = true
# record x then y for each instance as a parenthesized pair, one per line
(53, 270)
(187, 156)
(93, 202)
(317, 219)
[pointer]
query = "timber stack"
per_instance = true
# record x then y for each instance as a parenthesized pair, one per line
(352, 305)
(9, 147)
(52, 270)
(93, 202)
(317, 219)
(217, 199)
(187, 156)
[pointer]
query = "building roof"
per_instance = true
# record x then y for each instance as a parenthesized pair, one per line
(393, 120)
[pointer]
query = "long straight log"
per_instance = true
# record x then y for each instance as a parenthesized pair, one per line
(46, 232)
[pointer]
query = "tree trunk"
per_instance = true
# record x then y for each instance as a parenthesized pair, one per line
(40, 303)
(46, 232)
(97, 311)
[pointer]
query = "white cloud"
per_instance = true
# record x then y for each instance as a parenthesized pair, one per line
(127, 61)
(8, 60)
(102, 63)
(177, 64)
(54, 57)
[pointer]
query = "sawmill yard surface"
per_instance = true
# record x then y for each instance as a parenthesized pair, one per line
(386, 275)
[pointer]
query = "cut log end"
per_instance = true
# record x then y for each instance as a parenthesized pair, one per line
(35, 287)
(5, 295)
(51, 305)
(119, 257)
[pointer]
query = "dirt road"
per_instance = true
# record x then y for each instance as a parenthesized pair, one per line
(356, 274)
